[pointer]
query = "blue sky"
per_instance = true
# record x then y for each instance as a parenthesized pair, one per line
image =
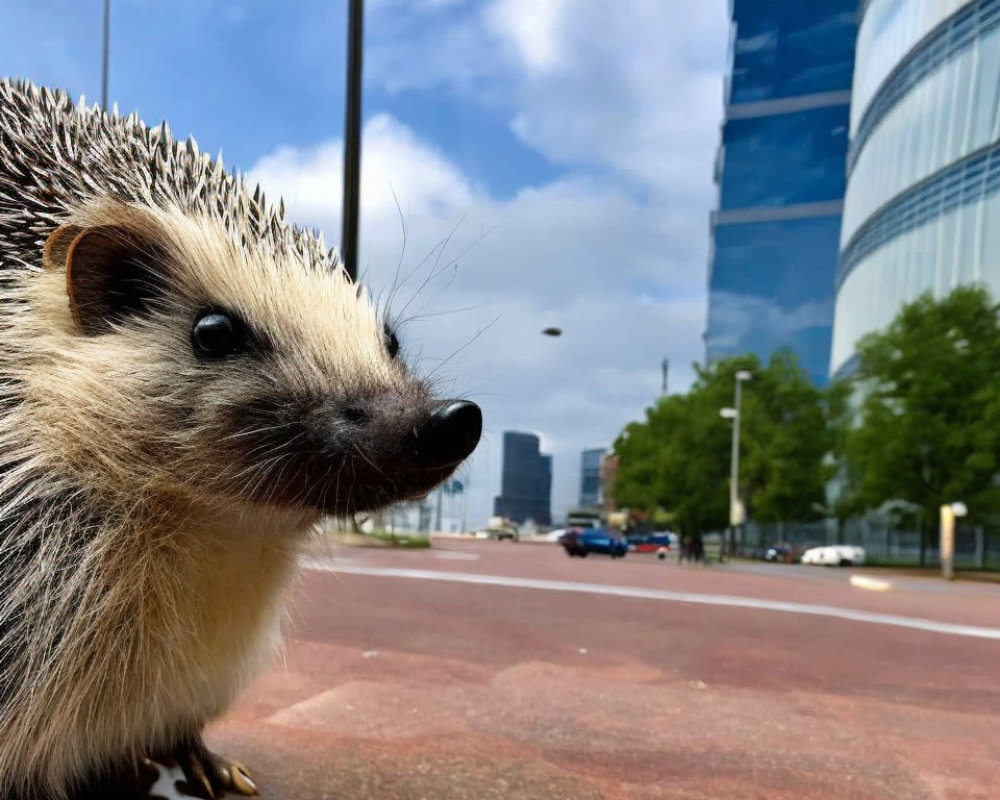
(553, 156)
(243, 76)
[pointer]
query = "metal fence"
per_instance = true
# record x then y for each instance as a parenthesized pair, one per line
(976, 546)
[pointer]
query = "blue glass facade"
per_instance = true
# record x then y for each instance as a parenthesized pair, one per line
(787, 304)
(781, 176)
(590, 476)
(801, 255)
(526, 481)
(789, 49)
(784, 159)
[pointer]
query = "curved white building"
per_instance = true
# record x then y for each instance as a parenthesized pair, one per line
(922, 207)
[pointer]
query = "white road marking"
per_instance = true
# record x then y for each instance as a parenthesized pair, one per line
(871, 584)
(732, 601)
(456, 555)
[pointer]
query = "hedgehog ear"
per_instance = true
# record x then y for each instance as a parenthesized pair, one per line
(57, 246)
(107, 277)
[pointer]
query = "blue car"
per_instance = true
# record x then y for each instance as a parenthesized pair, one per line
(581, 542)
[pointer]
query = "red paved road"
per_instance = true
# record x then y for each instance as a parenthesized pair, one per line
(401, 688)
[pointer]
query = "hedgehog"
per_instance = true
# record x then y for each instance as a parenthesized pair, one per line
(188, 384)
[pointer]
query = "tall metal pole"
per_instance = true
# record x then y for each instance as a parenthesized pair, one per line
(437, 524)
(734, 461)
(666, 371)
(104, 63)
(352, 140)
(465, 512)
(737, 514)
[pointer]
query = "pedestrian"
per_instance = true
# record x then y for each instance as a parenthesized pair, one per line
(698, 549)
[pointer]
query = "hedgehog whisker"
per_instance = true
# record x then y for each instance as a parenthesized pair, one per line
(435, 252)
(479, 333)
(447, 312)
(368, 460)
(325, 492)
(257, 431)
(402, 249)
(451, 265)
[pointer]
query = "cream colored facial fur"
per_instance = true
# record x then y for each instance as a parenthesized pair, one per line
(175, 597)
(151, 499)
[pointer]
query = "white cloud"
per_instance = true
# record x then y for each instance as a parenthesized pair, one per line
(427, 46)
(564, 254)
(639, 91)
(614, 251)
(533, 29)
(592, 83)
(394, 161)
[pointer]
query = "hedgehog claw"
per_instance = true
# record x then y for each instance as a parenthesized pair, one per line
(210, 775)
(240, 780)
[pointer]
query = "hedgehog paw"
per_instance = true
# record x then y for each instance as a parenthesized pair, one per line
(235, 776)
(210, 776)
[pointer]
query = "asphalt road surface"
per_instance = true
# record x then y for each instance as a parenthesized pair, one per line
(484, 670)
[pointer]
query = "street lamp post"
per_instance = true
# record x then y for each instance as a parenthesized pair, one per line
(352, 139)
(106, 44)
(737, 513)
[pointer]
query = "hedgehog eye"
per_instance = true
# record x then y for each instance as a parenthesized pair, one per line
(391, 341)
(216, 334)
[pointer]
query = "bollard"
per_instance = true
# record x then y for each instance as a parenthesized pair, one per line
(947, 547)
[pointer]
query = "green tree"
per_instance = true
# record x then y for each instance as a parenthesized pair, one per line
(783, 473)
(677, 459)
(927, 395)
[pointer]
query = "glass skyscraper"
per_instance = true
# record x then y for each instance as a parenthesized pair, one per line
(922, 211)
(590, 477)
(526, 482)
(780, 172)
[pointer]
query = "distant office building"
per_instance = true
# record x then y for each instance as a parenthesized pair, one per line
(780, 172)
(922, 211)
(526, 482)
(609, 471)
(590, 477)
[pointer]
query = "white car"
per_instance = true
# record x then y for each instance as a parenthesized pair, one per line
(835, 555)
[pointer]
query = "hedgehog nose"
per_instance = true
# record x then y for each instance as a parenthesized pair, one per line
(449, 434)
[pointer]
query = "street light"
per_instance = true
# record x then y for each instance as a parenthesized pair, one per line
(737, 513)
